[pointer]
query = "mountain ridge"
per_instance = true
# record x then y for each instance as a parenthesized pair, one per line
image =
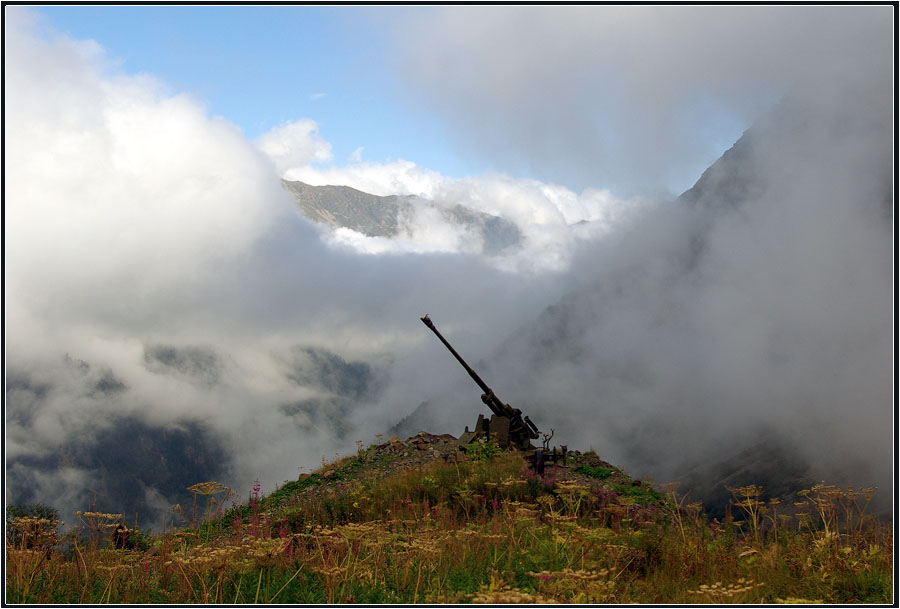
(391, 216)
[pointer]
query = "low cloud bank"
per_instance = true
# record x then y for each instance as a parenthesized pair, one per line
(167, 305)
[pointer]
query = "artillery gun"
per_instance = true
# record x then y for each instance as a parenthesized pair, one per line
(507, 427)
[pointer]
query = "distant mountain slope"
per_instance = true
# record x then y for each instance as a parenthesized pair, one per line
(350, 208)
(798, 140)
(388, 216)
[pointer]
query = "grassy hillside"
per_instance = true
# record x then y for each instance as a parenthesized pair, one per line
(420, 522)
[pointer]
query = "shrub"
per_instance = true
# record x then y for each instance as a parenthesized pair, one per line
(482, 450)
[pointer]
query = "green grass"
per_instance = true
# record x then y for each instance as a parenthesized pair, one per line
(642, 494)
(477, 530)
(598, 472)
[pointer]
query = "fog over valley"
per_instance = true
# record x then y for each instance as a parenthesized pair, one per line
(185, 303)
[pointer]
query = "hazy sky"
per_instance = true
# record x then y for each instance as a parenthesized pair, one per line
(369, 77)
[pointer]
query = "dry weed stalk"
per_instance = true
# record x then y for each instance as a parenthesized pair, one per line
(577, 586)
(99, 524)
(835, 506)
(731, 593)
(34, 532)
(748, 500)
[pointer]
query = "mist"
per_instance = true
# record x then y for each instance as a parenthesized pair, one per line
(747, 321)
(171, 318)
(754, 313)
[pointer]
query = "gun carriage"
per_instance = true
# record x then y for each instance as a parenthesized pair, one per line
(507, 427)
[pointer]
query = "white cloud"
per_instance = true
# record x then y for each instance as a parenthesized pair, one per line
(294, 143)
(551, 218)
(400, 177)
(98, 164)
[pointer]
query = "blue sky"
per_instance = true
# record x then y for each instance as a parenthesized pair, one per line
(262, 66)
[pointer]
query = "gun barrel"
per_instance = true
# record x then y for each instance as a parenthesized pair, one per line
(492, 401)
(487, 390)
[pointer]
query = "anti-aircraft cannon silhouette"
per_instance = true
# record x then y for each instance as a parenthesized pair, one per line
(507, 427)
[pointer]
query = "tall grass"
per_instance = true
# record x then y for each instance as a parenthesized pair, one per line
(477, 530)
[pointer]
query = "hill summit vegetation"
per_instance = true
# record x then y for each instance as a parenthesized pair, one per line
(419, 521)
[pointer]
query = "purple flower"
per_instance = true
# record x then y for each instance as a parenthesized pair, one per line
(282, 533)
(495, 505)
(546, 578)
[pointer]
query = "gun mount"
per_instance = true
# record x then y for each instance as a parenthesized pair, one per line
(507, 426)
